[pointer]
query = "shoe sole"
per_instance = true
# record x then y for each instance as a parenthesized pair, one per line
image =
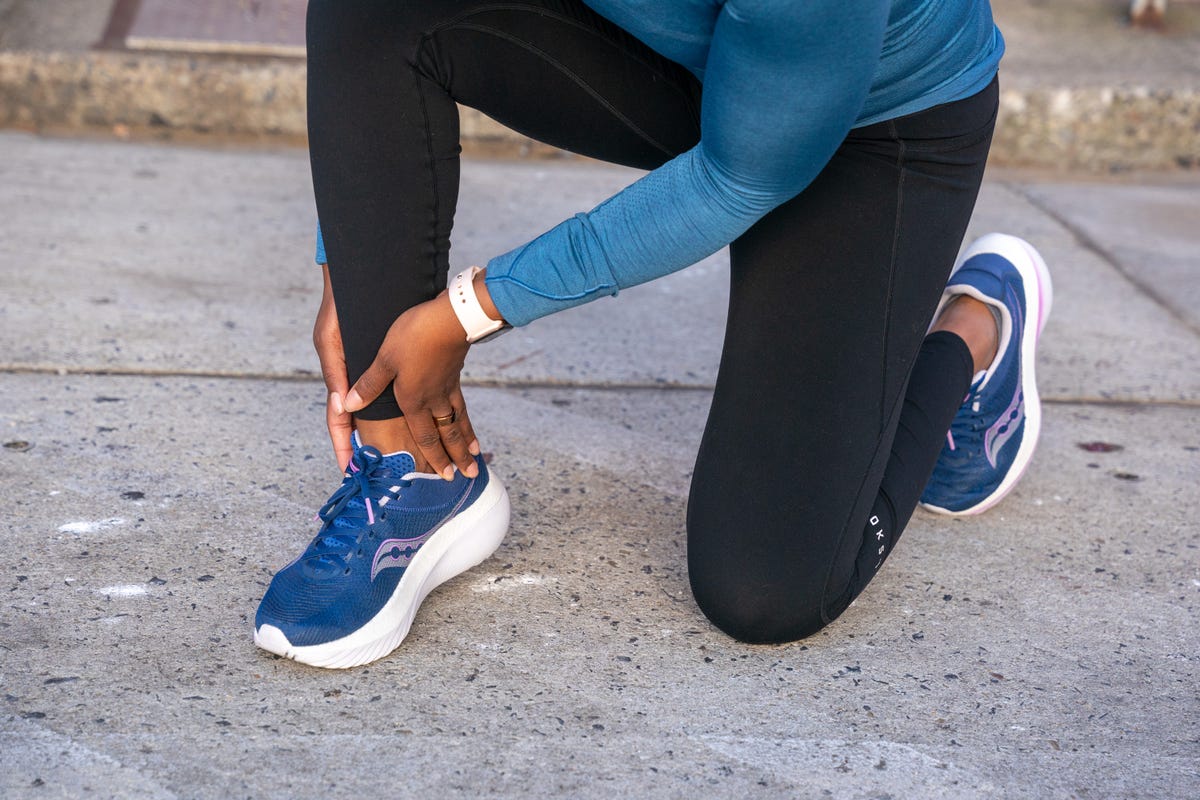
(464, 542)
(1033, 271)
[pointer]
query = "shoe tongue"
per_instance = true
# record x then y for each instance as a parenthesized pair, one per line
(397, 464)
(400, 463)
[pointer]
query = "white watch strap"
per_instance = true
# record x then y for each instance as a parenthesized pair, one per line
(470, 313)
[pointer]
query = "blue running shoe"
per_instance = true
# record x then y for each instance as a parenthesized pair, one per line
(993, 436)
(389, 537)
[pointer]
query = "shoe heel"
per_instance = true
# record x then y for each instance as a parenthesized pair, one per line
(1016, 250)
(1045, 285)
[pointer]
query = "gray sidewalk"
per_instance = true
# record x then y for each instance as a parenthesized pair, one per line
(164, 452)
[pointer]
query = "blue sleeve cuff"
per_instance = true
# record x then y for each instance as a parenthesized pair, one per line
(320, 258)
(562, 268)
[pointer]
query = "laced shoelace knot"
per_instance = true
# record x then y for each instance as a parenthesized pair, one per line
(367, 485)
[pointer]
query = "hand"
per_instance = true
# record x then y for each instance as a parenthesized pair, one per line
(422, 359)
(327, 339)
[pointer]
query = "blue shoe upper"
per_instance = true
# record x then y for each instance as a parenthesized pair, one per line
(986, 433)
(372, 527)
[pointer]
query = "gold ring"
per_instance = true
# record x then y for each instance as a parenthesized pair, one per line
(449, 419)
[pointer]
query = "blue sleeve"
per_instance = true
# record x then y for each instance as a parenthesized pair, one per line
(320, 258)
(784, 82)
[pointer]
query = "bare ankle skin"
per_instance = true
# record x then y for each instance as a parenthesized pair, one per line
(390, 436)
(974, 323)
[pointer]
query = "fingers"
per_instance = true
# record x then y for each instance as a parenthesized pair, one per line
(327, 339)
(444, 447)
(455, 440)
(339, 421)
(425, 433)
(341, 429)
(372, 383)
(459, 402)
(421, 359)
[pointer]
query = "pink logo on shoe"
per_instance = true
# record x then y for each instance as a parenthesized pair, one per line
(1005, 428)
(400, 552)
(397, 552)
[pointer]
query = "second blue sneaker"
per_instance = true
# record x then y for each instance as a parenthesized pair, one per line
(389, 536)
(993, 436)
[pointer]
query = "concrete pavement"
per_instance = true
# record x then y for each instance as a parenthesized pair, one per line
(163, 454)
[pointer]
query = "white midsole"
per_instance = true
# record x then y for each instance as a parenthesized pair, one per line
(460, 544)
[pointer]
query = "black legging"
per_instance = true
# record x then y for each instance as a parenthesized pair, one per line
(831, 404)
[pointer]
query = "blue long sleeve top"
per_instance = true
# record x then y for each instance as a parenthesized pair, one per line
(784, 82)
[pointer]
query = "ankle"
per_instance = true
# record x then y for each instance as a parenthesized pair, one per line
(391, 436)
(973, 322)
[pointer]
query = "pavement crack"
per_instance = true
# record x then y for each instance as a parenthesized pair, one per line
(1109, 402)
(309, 377)
(510, 384)
(143, 372)
(1085, 241)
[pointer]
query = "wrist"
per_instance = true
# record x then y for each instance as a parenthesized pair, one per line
(485, 297)
(472, 305)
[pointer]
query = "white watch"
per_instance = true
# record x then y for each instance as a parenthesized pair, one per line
(475, 321)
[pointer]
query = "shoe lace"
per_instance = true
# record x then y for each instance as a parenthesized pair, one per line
(966, 431)
(350, 511)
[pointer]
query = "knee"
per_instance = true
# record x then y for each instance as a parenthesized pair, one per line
(764, 573)
(761, 601)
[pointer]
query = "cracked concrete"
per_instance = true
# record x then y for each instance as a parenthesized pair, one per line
(161, 462)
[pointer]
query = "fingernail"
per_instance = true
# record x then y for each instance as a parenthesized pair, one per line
(336, 399)
(353, 401)
(472, 471)
(473, 448)
(448, 473)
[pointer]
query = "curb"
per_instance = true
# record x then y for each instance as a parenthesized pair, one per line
(1098, 129)
(1095, 129)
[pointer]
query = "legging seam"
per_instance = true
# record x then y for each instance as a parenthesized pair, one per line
(458, 22)
(884, 416)
(587, 88)
(433, 176)
(563, 18)
(901, 152)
